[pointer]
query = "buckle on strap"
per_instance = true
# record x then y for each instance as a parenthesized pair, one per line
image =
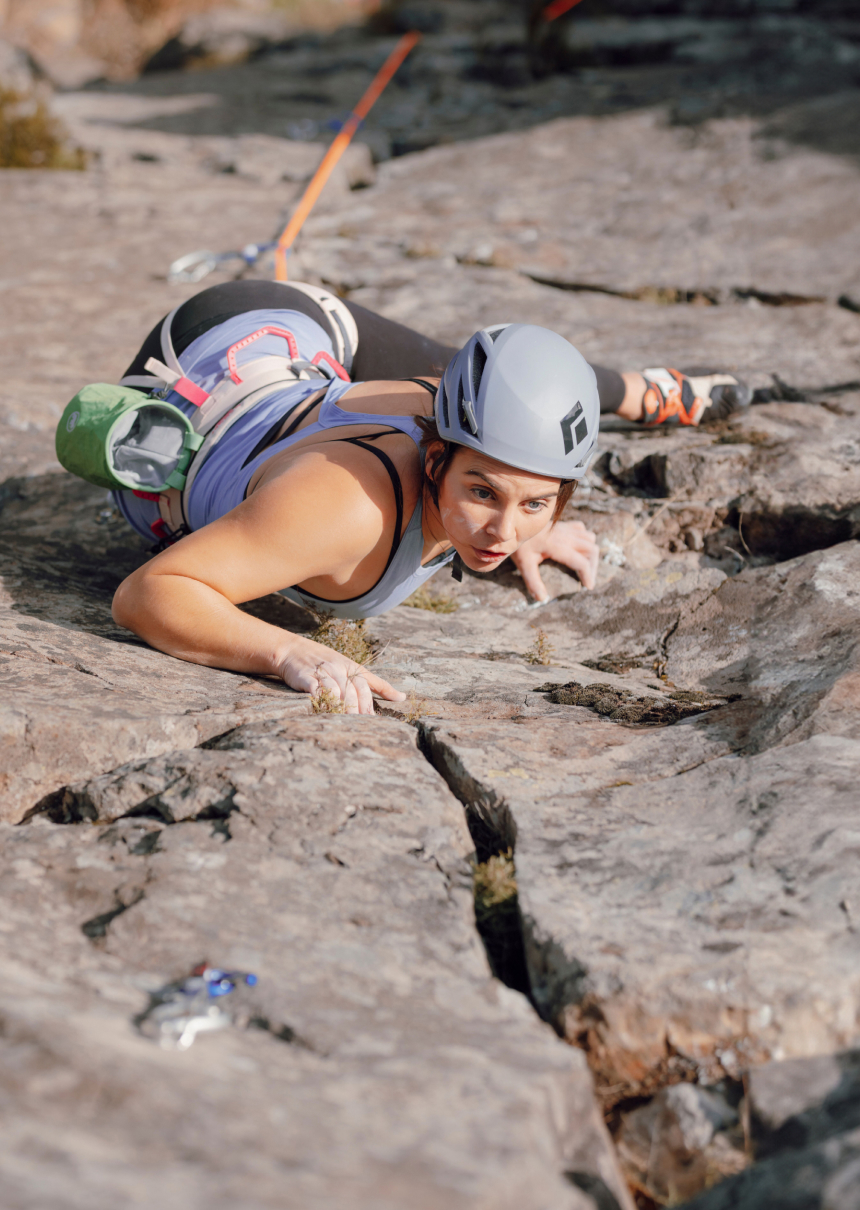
(177, 382)
(165, 535)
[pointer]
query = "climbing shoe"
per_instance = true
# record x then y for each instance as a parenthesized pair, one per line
(673, 397)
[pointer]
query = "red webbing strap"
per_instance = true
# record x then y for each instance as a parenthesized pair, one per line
(268, 330)
(191, 391)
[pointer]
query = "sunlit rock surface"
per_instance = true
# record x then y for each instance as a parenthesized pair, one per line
(686, 892)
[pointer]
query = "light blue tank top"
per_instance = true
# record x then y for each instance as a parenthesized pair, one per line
(223, 479)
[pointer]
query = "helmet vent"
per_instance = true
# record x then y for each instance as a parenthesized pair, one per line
(461, 411)
(495, 334)
(479, 361)
(443, 399)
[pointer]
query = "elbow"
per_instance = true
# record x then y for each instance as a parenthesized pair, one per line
(122, 607)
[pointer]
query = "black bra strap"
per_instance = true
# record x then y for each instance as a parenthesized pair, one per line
(294, 424)
(271, 434)
(428, 386)
(395, 483)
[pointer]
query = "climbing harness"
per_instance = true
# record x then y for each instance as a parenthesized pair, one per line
(126, 439)
(196, 265)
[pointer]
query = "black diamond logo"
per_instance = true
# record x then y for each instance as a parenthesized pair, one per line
(568, 431)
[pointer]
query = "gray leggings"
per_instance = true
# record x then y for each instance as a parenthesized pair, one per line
(386, 350)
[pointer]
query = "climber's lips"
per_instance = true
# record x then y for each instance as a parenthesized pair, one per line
(489, 556)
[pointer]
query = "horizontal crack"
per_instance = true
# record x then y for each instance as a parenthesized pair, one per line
(709, 296)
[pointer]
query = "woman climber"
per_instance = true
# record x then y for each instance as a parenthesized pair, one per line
(315, 452)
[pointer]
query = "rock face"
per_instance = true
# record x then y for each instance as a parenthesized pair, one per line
(658, 775)
(626, 952)
(382, 1061)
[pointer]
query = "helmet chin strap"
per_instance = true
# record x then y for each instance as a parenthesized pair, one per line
(457, 569)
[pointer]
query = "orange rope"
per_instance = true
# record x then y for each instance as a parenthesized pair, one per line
(336, 150)
(557, 8)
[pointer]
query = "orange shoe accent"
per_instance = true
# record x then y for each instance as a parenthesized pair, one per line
(664, 400)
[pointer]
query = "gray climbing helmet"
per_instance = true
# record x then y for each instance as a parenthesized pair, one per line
(524, 396)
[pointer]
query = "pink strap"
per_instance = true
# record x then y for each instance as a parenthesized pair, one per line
(191, 391)
(243, 344)
(335, 365)
(146, 495)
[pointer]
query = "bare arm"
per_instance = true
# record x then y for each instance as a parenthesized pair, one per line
(316, 520)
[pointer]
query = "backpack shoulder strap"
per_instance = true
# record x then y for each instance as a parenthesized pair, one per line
(167, 350)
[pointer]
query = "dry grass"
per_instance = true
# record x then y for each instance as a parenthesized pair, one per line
(345, 636)
(425, 598)
(414, 707)
(326, 701)
(30, 137)
(437, 603)
(495, 884)
(541, 650)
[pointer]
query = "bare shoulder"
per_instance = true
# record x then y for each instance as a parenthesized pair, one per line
(336, 483)
(322, 516)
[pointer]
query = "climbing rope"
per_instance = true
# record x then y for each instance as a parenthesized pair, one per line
(338, 147)
(196, 265)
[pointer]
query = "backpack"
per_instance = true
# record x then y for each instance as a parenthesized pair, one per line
(121, 438)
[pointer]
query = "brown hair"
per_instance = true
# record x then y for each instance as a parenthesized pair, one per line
(437, 466)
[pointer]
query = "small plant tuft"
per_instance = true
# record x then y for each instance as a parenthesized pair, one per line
(495, 884)
(345, 636)
(30, 137)
(414, 707)
(541, 650)
(326, 701)
(425, 598)
(497, 916)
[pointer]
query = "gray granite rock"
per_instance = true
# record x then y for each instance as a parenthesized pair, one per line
(382, 1065)
(800, 1102)
(683, 889)
(686, 892)
(803, 1117)
(80, 695)
(826, 1177)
